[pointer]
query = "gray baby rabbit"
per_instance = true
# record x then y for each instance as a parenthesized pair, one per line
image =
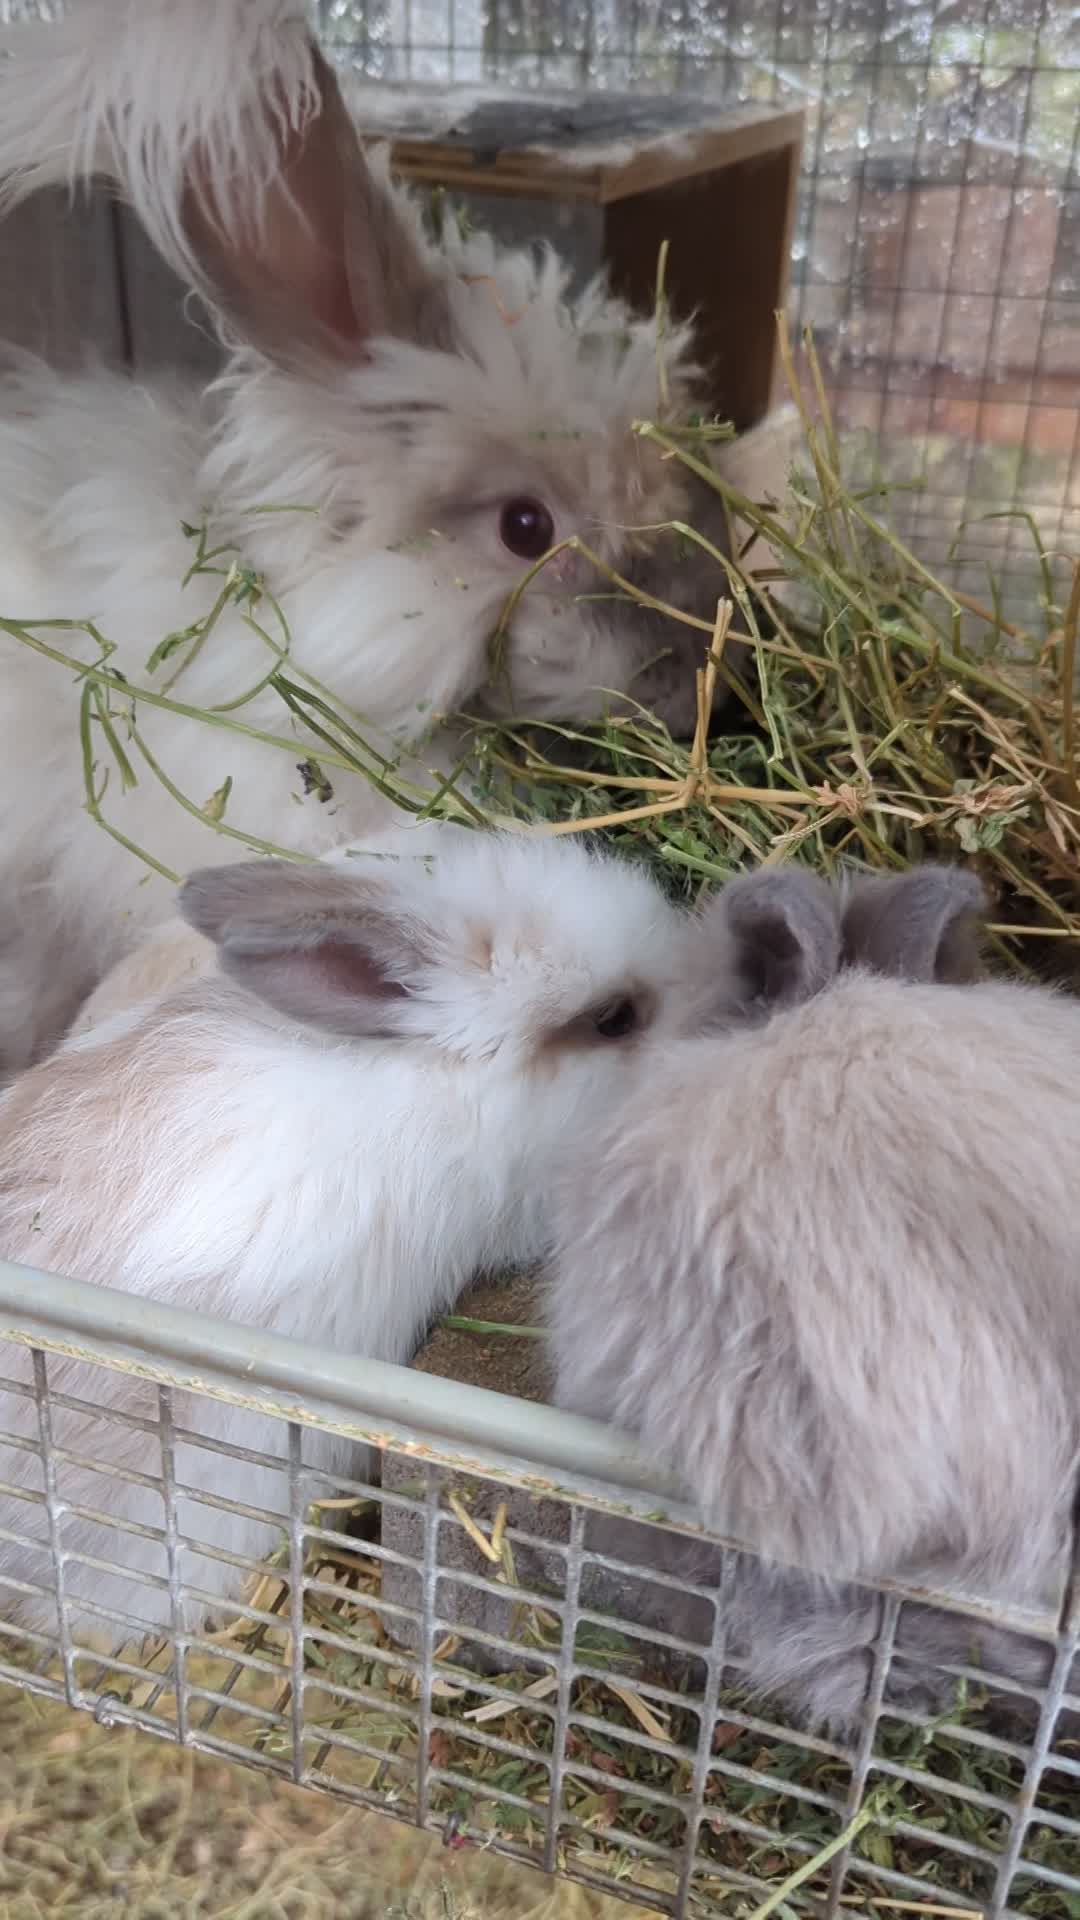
(822, 1262)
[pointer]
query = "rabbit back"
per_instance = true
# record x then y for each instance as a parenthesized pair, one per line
(850, 1235)
(165, 1155)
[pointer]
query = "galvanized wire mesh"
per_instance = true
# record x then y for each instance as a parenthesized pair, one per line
(408, 1633)
(937, 250)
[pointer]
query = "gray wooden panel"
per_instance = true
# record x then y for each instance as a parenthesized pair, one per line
(574, 228)
(59, 290)
(162, 334)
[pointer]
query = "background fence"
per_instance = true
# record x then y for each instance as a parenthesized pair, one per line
(937, 246)
(937, 249)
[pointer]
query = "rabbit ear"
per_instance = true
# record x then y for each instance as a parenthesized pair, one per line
(320, 945)
(326, 259)
(922, 925)
(224, 127)
(784, 929)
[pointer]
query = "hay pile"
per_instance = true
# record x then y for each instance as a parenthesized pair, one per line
(880, 717)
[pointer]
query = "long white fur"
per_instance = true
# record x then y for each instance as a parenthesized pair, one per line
(98, 474)
(203, 1149)
(131, 89)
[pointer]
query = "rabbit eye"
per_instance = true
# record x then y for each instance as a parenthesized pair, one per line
(526, 528)
(614, 1022)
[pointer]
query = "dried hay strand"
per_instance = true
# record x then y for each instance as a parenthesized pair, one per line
(877, 717)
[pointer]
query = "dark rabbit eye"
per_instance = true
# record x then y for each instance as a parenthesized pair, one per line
(617, 1020)
(526, 528)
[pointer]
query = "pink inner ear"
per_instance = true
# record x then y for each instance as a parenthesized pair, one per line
(335, 983)
(342, 970)
(287, 278)
(306, 234)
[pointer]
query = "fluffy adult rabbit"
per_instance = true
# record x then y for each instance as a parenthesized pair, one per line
(328, 1136)
(822, 1263)
(432, 415)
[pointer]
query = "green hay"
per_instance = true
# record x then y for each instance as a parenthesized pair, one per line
(888, 719)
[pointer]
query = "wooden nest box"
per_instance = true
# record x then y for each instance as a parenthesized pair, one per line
(605, 177)
(608, 177)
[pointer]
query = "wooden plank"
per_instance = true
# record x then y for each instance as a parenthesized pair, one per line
(728, 262)
(714, 150)
(60, 293)
(593, 147)
(786, 186)
(166, 329)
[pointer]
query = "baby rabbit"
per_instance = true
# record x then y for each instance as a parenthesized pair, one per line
(822, 1263)
(429, 414)
(328, 1136)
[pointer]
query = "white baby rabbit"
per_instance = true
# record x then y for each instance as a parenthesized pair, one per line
(823, 1264)
(328, 1136)
(431, 415)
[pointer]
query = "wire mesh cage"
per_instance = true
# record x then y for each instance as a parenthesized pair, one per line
(463, 1610)
(936, 252)
(936, 249)
(452, 1607)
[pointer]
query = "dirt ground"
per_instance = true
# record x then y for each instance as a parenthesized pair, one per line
(100, 1824)
(503, 1363)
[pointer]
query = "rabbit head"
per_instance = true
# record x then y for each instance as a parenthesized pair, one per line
(774, 937)
(544, 964)
(767, 943)
(333, 1133)
(432, 409)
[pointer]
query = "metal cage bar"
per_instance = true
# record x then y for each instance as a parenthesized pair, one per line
(464, 1670)
(937, 249)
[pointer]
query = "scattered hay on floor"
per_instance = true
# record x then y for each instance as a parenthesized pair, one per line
(111, 1824)
(780, 1812)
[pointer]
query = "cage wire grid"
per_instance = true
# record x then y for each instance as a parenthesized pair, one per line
(936, 251)
(937, 257)
(937, 247)
(607, 1749)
